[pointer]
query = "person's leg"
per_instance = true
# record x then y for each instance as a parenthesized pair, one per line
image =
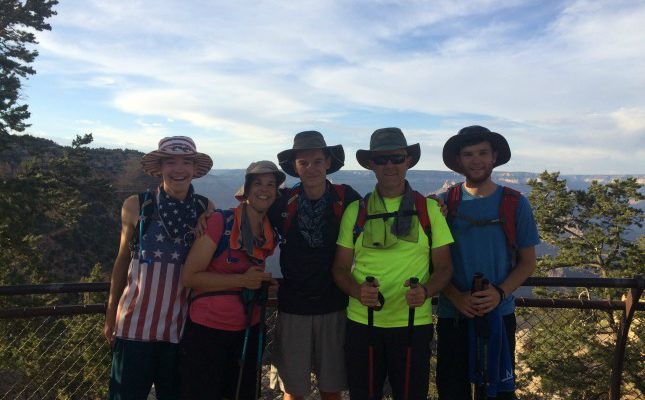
(132, 370)
(202, 362)
(356, 360)
(328, 354)
(166, 377)
(396, 349)
(452, 359)
(510, 325)
(293, 354)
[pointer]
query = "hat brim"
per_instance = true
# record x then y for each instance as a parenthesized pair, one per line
(240, 195)
(152, 166)
(414, 152)
(337, 157)
(452, 146)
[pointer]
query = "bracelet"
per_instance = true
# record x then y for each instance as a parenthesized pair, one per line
(425, 290)
(502, 294)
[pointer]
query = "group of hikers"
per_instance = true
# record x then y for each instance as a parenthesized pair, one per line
(189, 286)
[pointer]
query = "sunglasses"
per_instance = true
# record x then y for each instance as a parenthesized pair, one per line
(393, 158)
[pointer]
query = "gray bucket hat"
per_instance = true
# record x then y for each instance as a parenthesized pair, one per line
(385, 139)
(474, 134)
(260, 167)
(311, 140)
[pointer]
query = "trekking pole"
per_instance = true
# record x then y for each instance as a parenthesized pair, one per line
(262, 300)
(247, 297)
(408, 357)
(485, 337)
(370, 346)
(475, 387)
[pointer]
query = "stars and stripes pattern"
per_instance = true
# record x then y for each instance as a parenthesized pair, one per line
(153, 306)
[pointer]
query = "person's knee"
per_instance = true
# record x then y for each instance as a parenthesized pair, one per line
(288, 396)
(330, 396)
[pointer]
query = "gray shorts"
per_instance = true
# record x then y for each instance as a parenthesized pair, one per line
(310, 343)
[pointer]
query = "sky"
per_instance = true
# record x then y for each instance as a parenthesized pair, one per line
(563, 81)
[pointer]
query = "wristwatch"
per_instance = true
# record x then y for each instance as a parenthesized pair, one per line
(502, 294)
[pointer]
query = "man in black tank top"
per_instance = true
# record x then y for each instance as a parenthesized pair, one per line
(311, 308)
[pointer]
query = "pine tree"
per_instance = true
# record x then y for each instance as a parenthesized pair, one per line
(17, 20)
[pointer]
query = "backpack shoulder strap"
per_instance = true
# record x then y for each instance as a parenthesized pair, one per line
(507, 210)
(453, 197)
(146, 209)
(201, 204)
(420, 203)
(339, 202)
(361, 216)
(225, 240)
(291, 208)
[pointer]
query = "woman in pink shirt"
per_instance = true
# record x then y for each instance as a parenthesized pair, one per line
(223, 264)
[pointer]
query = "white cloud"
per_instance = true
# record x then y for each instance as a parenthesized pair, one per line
(548, 75)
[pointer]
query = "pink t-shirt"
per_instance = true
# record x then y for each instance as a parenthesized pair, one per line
(223, 312)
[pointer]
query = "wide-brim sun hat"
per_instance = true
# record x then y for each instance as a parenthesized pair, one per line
(257, 168)
(311, 140)
(176, 146)
(474, 134)
(386, 139)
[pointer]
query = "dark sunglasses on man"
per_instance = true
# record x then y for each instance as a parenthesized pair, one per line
(393, 158)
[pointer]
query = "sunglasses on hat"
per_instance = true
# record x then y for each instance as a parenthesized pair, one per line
(393, 158)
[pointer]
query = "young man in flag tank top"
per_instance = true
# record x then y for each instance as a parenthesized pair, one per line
(147, 305)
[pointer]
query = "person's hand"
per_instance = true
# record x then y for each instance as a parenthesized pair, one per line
(465, 303)
(368, 294)
(416, 296)
(108, 331)
(486, 300)
(254, 276)
(443, 207)
(200, 226)
(273, 288)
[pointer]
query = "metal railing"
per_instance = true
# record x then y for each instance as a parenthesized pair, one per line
(58, 351)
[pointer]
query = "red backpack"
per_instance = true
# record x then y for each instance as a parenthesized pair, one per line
(506, 215)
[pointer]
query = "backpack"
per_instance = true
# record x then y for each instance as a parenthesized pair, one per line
(147, 208)
(421, 212)
(291, 208)
(506, 215)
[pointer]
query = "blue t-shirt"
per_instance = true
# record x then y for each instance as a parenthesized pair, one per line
(483, 248)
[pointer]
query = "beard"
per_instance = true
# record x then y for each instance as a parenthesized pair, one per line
(480, 177)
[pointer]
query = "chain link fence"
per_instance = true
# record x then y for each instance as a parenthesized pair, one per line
(562, 353)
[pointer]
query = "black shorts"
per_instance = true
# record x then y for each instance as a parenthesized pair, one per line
(390, 357)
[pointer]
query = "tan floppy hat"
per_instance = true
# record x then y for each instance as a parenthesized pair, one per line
(176, 146)
(257, 168)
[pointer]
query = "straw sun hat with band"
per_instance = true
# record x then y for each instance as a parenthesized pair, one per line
(176, 146)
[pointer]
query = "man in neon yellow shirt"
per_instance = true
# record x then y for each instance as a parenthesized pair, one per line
(392, 248)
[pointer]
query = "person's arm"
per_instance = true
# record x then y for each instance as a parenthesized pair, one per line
(200, 226)
(129, 218)
(194, 273)
(463, 301)
(366, 293)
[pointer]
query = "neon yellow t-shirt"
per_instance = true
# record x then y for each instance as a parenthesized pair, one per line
(393, 266)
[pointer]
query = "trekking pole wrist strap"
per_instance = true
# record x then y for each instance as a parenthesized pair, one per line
(502, 294)
(425, 291)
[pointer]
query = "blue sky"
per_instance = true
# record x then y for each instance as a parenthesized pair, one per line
(563, 81)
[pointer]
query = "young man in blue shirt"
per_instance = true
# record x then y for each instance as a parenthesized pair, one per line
(481, 247)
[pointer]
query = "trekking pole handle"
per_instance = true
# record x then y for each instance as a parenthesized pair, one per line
(414, 281)
(476, 286)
